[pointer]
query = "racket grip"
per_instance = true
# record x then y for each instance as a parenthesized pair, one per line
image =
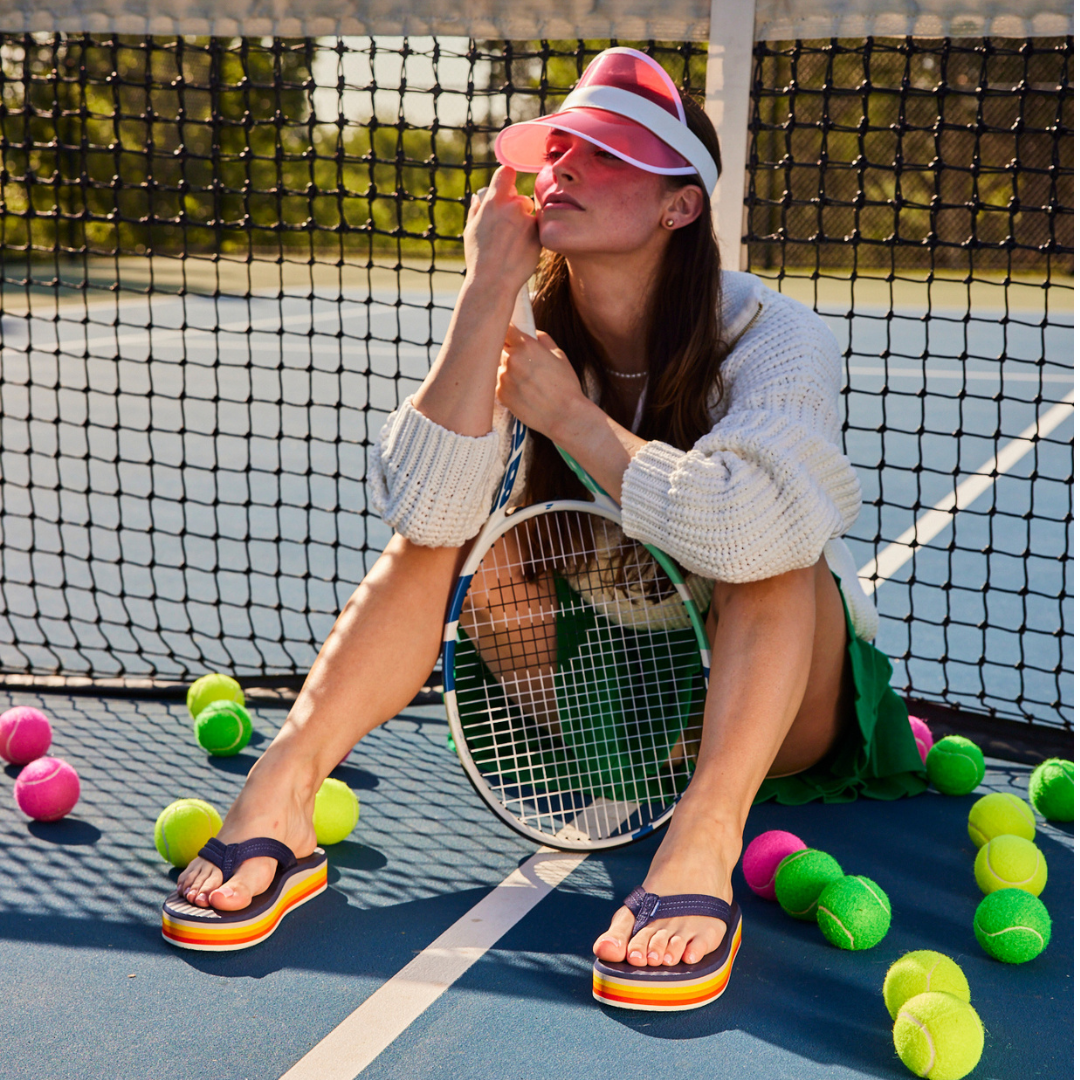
(523, 313)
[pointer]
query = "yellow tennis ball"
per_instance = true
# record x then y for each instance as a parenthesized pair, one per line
(919, 972)
(212, 687)
(182, 828)
(1010, 862)
(337, 810)
(938, 1036)
(998, 814)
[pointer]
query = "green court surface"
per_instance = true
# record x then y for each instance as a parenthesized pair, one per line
(91, 990)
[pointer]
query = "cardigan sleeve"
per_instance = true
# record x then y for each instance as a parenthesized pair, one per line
(433, 485)
(764, 490)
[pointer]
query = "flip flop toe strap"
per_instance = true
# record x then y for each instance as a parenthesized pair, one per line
(647, 907)
(228, 857)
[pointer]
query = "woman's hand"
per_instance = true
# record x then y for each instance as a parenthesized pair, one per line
(502, 245)
(537, 383)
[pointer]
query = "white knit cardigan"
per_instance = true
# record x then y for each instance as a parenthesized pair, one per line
(765, 491)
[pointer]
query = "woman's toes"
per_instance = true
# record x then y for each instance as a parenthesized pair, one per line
(674, 951)
(200, 886)
(611, 946)
(654, 953)
(253, 877)
(637, 949)
(700, 945)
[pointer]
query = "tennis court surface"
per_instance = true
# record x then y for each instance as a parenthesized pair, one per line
(93, 991)
(230, 243)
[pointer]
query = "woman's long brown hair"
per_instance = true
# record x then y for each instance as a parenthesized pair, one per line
(685, 343)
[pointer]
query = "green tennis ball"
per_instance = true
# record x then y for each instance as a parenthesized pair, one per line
(1050, 789)
(1012, 925)
(213, 687)
(223, 728)
(920, 971)
(955, 765)
(800, 880)
(1010, 862)
(182, 828)
(998, 814)
(938, 1036)
(854, 913)
(337, 810)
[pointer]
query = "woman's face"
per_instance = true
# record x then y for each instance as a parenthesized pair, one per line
(591, 202)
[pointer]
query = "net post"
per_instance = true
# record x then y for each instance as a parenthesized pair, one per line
(727, 101)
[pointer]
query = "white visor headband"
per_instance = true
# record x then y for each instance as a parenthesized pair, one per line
(667, 128)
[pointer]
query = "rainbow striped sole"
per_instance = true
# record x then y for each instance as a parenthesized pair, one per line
(670, 989)
(208, 930)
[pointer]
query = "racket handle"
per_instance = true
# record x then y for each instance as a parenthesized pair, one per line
(523, 313)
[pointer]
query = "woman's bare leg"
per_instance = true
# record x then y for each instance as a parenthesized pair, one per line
(381, 649)
(775, 705)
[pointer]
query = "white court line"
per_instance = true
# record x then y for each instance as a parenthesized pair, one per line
(903, 548)
(365, 1033)
(160, 335)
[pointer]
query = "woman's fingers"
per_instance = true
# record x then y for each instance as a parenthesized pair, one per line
(501, 240)
(475, 201)
(548, 342)
(504, 182)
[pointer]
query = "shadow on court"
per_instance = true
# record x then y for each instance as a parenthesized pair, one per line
(80, 931)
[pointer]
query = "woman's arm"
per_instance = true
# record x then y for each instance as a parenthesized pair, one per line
(539, 386)
(501, 252)
(768, 486)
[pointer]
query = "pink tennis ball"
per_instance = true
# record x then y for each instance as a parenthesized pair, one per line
(25, 734)
(923, 739)
(763, 855)
(47, 789)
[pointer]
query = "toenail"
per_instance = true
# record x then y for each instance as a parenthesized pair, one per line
(653, 956)
(635, 955)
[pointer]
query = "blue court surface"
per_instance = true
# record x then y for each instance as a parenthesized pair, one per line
(91, 990)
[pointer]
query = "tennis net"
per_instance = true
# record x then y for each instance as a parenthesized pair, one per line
(223, 261)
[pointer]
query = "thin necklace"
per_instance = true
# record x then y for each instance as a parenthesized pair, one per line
(624, 374)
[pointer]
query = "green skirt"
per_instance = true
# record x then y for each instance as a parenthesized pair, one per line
(875, 755)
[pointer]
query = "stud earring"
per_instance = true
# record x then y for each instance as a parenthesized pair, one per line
(669, 222)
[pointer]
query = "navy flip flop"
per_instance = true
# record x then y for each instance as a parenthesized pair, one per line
(295, 882)
(681, 986)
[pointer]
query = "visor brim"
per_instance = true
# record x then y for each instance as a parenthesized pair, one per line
(523, 146)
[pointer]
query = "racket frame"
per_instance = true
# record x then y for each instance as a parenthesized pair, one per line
(498, 523)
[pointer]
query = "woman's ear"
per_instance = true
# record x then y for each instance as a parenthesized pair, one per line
(683, 206)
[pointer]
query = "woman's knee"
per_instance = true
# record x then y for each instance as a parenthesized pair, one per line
(779, 595)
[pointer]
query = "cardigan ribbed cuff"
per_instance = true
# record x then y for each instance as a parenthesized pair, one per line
(420, 462)
(646, 486)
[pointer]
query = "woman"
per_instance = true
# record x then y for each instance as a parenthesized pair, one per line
(714, 424)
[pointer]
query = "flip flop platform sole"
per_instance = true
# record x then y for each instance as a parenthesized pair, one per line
(668, 989)
(209, 930)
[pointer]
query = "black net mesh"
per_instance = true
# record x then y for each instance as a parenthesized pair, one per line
(224, 261)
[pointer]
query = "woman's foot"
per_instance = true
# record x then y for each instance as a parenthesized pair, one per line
(698, 855)
(271, 804)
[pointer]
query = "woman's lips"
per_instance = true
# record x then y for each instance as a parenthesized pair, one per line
(561, 202)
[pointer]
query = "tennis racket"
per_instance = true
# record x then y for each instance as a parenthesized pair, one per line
(575, 666)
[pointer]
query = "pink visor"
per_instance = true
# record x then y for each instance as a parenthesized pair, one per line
(626, 103)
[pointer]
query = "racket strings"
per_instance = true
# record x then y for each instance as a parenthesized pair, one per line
(579, 698)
